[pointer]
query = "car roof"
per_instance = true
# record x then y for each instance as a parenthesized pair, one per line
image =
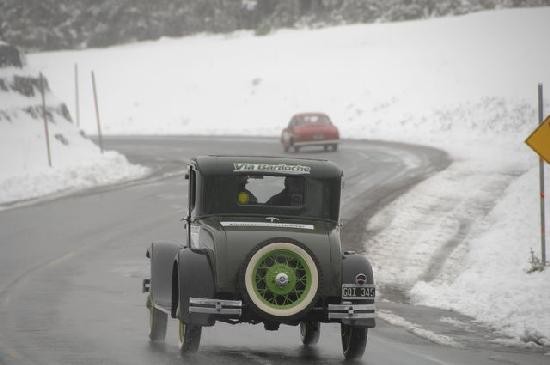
(266, 165)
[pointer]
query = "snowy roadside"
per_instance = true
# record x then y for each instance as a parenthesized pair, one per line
(110, 168)
(497, 291)
(417, 329)
(77, 162)
(462, 240)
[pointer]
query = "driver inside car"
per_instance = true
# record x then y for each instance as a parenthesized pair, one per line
(291, 195)
(244, 196)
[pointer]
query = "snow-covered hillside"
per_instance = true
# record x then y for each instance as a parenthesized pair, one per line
(24, 169)
(466, 84)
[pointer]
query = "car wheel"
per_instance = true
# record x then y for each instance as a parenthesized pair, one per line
(309, 332)
(286, 147)
(296, 148)
(354, 341)
(157, 322)
(335, 147)
(280, 280)
(326, 147)
(189, 337)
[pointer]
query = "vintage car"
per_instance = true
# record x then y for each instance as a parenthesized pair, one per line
(262, 245)
(310, 129)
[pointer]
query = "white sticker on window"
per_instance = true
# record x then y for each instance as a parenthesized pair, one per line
(264, 167)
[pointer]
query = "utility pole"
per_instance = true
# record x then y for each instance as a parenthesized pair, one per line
(541, 175)
(76, 96)
(44, 115)
(97, 114)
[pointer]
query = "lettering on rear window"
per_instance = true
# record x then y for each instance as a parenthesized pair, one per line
(264, 167)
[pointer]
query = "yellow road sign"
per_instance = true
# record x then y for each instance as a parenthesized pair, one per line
(539, 140)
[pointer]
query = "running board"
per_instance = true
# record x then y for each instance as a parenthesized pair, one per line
(215, 306)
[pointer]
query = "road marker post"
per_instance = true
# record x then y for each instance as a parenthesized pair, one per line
(76, 96)
(97, 113)
(541, 173)
(44, 115)
(539, 142)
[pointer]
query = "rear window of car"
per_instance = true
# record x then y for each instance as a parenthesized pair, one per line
(258, 194)
(287, 191)
(306, 119)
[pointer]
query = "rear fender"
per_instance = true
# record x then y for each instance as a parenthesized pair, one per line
(352, 265)
(162, 255)
(194, 278)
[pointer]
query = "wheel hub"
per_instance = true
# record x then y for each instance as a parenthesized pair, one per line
(281, 279)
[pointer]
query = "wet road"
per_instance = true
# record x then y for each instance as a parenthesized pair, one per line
(71, 268)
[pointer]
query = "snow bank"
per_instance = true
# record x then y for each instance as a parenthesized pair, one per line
(490, 282)
(77, 161)
(417, 329)
(464, 84)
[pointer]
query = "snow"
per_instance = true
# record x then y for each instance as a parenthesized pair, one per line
(459, 240)
(77, 161)
(504, 292)
(396, 320)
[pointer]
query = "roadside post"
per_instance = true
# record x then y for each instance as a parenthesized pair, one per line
(97, 113)
(76, 96)
(539, 142)
(44, 115)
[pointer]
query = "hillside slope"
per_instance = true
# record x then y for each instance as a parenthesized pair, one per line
(24, 170)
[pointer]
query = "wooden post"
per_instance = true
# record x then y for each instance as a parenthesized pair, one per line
(44, 115)
(541, 183)
(97, 113)
(76, 96)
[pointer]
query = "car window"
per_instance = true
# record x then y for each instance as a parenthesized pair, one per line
(273, 190)
(257, 194)
(318, 119)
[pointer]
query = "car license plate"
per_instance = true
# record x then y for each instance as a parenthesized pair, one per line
(355, 291)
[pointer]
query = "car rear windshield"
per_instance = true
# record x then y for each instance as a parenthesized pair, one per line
(311, 119)
(272, 195)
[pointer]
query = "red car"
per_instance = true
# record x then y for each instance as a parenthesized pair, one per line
(310, 129)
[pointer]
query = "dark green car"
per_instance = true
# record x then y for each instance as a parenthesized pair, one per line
(262, 245)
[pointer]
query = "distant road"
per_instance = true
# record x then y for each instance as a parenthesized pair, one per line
(71, 268)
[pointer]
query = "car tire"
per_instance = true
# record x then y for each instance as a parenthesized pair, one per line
(277, 302)
(189, 337)
(326, 147)
(286, 147)
(334, 147)
(309, 332)
(157, 322)
(354, 341)
(296, 149)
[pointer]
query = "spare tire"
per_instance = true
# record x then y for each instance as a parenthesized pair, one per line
(280, 280)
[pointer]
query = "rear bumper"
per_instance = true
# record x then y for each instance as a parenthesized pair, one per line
(351, 311)
(206, 311)
(316, 142)
(231, 308)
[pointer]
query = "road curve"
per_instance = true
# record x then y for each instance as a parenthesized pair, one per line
(71, 267)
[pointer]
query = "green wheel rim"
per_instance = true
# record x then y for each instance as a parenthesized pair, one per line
(181, 332)
(284, 265)
(149, 306)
